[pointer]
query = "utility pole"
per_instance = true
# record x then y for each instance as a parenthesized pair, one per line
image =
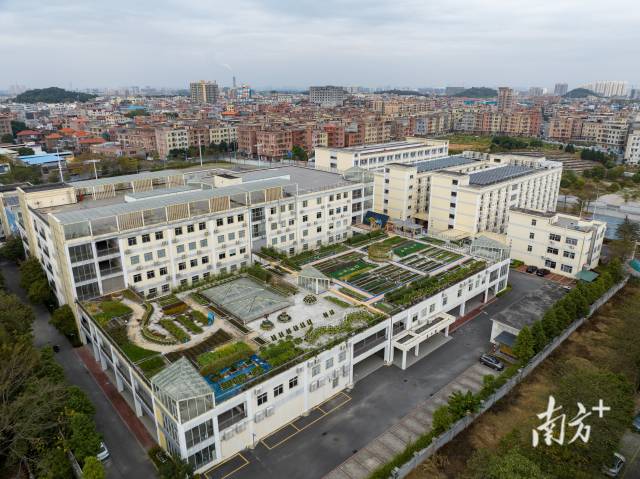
(200, 147)
(59, 166)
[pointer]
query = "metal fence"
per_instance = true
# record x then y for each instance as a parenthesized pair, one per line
(421, 456)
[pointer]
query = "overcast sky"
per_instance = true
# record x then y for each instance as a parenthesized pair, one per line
(297, 43)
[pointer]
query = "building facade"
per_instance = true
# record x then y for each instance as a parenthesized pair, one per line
(562, 243)
(327, 96)
(203, 91)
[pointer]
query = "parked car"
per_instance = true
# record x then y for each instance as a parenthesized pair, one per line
(542, 272)
(491, 361)
(56, 348)
(615, 467)
(636, 423)
(532, 269)
(103, 453)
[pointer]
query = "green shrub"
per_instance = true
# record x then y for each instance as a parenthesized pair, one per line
(338, 302)
(189, 324)
(175, 331)
(280, 352)
(224, 356)
(111, 309)
(199, 317)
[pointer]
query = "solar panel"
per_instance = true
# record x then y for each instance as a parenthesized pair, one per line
(441, 163)
(496, 175)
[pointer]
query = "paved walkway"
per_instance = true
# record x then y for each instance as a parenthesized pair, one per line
(125, 412)
(393, 441)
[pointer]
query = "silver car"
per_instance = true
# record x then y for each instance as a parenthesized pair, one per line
(615, 467)
(103, 453)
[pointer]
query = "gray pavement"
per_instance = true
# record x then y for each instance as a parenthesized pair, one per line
(128, 458)
(630, 449)
(378, 401)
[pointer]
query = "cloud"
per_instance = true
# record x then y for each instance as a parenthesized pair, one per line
(301, 42)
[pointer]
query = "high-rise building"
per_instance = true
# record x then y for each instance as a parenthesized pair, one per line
(204, 91)
(608, 88)
(5, 125)
(327, 96)
(632, 148)
(505, 98)
(453, 90)
(536, 91)
(560, 89)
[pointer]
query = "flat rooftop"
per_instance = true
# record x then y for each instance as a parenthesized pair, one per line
(497, 175)
(393, 145)
(441, 163)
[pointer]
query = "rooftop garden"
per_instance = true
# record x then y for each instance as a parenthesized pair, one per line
(105, 311)
(212, 362)
(351, 323)
(360, 239)
(430, 285)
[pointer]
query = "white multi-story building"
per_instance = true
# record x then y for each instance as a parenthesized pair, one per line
(223, 132)
(156, 231)
(373, 157)
(632, 147)
(327, 96)
(562, 243)
(170, 138)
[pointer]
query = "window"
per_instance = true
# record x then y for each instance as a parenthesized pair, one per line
(293, 382)
(551, 250)
(135, 259)
(151, 274)
(319, 214)
(572, 241)
(165, 288)
(229, 220)
(161, 253)
(204, 260)
(315, 370)
(279, 389)
(554, 237)
(146, 238)
(80, 253)
(192, 246)
(529, 248)
(342, 356)
(159, 235)
(305, 218)
(202, 226)
(566, 268)
(262, 399)
(203, 243)
(178, 231)
(84, 272)
(568, 254)
(193, 263)
(452, 205)
(305, 203)
(182, 266)
(222, 256)
(231, 236)
(531, 235)
(137, 278)
(132, 241)
(180, 249)
(240, 218)
(190, 228)
(533, 222)
(329, 363)
(163, 271)
(550, 264)
(148, 256)
(219, 222)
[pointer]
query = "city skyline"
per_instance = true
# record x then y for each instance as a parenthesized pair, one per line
(370, 44)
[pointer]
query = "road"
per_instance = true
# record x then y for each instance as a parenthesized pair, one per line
(377, 401)
(128, 458)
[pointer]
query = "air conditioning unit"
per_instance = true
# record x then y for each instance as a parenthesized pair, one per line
(320, 382)
(228, 434)
(164, 243)
(206, 233)
(259, 416)
(299, 369)
(269, 411)
(241, 426)
(257, 391)
(313, 387)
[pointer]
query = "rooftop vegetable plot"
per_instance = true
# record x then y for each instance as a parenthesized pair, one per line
(409, 247)
(311, 256)
(383, 279)
(343, 267)
(422, 263)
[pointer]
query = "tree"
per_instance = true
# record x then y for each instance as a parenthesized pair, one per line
(462, 403)
(299, 153)
(441, 420)
(6, 138)
(17, 127)
(65, 322)
(25, 151)
(523, 348)
(13, 249)
(16, 318)
(54, 465)
(83, 440)
(176, 468)
(510, 464)
(550, 324)
(78, 402)
(93, 468)
(539, 336)
(40, 292)
(570, 148)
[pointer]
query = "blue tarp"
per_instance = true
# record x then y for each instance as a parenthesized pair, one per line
(40, 159)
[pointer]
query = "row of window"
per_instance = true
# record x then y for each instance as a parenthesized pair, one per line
(179, 230)
(277, 391)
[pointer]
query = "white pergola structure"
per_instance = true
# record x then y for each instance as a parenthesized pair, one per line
(412, 338)
(313, 280)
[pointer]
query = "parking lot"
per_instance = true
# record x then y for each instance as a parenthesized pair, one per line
(377, 402)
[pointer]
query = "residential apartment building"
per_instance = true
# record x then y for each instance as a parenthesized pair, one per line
(606, 132)
(373, 157)
(5, 125)
(327, 96)
(155, 231)
(138, 138)
(223, 132)
(560, 89)
(562, 243)
(632, 148)
(171, 138)
(203, 91)
(506, 100)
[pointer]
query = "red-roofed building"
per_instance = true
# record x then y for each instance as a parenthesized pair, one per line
(25, 136)
(84, 144)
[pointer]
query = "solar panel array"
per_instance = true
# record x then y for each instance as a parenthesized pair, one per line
(440, 163)
(496, 175)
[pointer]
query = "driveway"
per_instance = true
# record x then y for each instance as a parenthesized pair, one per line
(128, 458)
(376, 403)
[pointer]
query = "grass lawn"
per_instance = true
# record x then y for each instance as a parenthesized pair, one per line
(345, 273)
(107, 310)
(337, 301)
(136, 353)
(152, 366)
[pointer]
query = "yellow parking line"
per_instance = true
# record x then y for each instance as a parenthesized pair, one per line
(246, 463)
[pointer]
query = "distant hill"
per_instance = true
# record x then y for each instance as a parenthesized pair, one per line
(402, 92)
(580, 93)
(477, 92)
(52, 95)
